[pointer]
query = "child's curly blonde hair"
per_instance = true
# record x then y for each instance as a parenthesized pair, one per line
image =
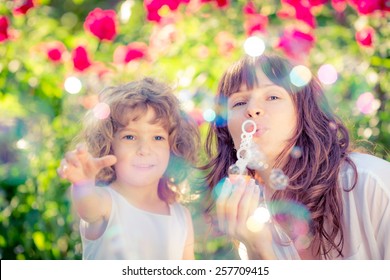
(130, 101)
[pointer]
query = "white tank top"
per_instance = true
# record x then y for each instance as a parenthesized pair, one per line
(135, 234)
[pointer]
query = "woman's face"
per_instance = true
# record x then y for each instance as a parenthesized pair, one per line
(271, 108)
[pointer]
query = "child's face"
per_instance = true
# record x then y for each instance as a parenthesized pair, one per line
(142, 150)
(271, 108)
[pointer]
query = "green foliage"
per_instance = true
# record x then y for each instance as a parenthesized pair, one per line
(39, 119)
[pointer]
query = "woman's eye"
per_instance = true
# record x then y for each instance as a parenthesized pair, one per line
(129, 137)
(158, 138)
(273, 97)
(240, 103)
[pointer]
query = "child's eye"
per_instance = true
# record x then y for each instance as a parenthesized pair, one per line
(159, 138)
(128, 137)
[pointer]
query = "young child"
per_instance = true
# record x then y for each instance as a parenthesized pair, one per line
(142, 152)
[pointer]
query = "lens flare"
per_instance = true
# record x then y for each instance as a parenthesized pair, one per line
(101, 111)
(256, 222)
(300, 76)
(366, 103)
(327, 74)
(209, 115)
(254, 46)
(296, 152)
(73, 85)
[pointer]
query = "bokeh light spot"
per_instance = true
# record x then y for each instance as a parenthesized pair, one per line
(209, 115)
(73, 85)
(327, 74)
(254, 46)
(101, 111)
(366, 103)
(296, 152)
(300, 76)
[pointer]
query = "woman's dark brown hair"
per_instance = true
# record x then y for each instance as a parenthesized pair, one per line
(321, 135)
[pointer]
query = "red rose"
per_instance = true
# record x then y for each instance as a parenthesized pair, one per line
(153, 6)
(4, 23)
(23, 7)
(220, 3)
(365, 7)
(296, 44)
(102, 24)
(133, 51)
(339, 5)
(365, 36)
(80, 59)
(55, 50)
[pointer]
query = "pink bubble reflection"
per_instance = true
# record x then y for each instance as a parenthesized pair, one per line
(101, 111)
(327, 74)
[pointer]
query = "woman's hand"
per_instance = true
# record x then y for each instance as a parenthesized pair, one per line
(236, 205)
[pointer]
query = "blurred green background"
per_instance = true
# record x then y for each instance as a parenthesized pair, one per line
(189, 48)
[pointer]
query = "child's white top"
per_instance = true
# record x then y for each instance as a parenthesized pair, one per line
(135, 234)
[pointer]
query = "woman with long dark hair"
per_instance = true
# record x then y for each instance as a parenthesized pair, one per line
(336, 204)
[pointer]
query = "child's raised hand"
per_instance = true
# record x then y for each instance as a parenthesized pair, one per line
(79, 166)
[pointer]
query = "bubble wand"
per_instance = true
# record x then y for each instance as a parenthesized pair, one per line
(249, 155)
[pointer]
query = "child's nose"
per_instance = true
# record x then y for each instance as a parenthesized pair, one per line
(143, 148)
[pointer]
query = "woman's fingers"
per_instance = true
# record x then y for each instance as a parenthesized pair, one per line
(244, 209)
(232, 205)
(221, 204)
(255, 200)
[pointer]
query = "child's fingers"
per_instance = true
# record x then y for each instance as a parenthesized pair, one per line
(62, 169)
(81, 148)
(105, 161)
(72, 159)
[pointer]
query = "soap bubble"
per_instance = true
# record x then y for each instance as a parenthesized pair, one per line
(278, 179)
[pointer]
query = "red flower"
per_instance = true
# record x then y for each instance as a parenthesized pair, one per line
(339, 5)
(385, 5)
(220, 3)
(302, 11)
(365, 7)
(317, 2)
(225, 42)
(153, 6)
(55, 51)
(4, 24)
(24, 6)
(80, 59)
(102, 24)
(133, 51)
(254, 22)
(296, 44)
(365, 36)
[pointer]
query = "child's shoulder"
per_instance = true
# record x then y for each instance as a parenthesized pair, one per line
(180, 210)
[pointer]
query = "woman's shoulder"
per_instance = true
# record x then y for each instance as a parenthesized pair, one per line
(370, 163)
(371, 170)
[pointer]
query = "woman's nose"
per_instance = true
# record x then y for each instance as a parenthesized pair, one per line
(254, 110)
